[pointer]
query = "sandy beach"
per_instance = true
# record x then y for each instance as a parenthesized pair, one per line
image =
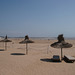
(14, 60)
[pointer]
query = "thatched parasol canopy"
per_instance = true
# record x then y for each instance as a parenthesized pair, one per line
(26, 41)
(5, 40)
(61, 44)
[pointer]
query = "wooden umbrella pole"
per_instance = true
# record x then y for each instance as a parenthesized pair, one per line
(26, 48)
(5, 45)
(61, 53)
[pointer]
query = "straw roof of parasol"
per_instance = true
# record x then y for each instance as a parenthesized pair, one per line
(5, 39)
(26, 40)
(61, 43)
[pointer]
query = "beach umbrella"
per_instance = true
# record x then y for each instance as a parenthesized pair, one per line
(26, 41)
(61, 44)
(5, 40)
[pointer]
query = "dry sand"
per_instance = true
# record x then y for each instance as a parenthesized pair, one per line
(37, 62)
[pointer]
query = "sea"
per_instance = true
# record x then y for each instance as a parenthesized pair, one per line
(44, 38)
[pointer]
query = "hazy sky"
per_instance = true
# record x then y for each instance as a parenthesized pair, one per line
(37, 18)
